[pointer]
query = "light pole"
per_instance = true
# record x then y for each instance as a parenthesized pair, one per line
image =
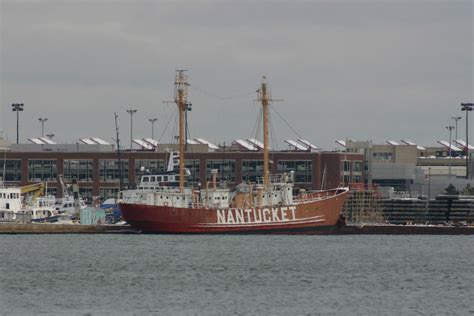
(467, 107)
(131, 112)
(152, 121)
(42, 120)
(50, 136)
(450, 128)
(456, 119)
(17, 107)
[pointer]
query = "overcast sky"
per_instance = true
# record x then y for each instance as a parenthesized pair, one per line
(365, 70)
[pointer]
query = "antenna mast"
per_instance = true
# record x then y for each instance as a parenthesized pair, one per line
(180, 98)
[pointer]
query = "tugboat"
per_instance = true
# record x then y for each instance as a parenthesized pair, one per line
(166, 203)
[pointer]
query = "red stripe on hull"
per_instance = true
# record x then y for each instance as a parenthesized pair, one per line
(307, 218)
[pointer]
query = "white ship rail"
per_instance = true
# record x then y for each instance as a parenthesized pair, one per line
(317, 196)
(275, 178)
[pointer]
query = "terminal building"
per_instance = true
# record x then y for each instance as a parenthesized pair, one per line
(406, 166)
(401, 165)
(95, 164)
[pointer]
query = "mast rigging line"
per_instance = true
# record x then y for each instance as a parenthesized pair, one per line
(273, 135)
(212, 95)
(256, 127)
(285, 121)
(172, 117)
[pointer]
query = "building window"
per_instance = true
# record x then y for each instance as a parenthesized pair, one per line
(252, 170)
(346, 166)
(150, 166)
(80, 169)
(303, 169)
(193, 166)
(110, 170)
(382, 156)
(357, 166)
(42, 170)
(356, 179)
(12, 170)
(225, 169)
(346, 179)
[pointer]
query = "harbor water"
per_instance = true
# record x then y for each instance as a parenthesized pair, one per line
(225, 275)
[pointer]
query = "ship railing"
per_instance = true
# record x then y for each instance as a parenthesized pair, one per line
(314, 196)
(275, 178)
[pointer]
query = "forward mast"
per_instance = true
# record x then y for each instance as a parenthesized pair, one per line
(180, 97)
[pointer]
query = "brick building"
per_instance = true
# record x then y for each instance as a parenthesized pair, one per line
(98, 172)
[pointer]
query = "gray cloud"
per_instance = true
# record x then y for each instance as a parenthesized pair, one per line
(360, 69)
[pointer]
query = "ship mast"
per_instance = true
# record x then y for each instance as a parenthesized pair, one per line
(181, 92)
(264, 100)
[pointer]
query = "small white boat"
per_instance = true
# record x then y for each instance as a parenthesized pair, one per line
(41, 210)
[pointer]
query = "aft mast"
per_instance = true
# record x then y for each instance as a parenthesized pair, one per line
(264, 98)
(181, 92)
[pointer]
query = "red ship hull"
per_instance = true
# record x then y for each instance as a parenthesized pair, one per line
(316, 213)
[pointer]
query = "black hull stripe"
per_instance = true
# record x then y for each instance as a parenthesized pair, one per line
(280, 231)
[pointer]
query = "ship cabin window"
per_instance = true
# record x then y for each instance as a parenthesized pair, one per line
(176, 178)
(152, 179)
(159, 179)
(165, 178)
(146, 179)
